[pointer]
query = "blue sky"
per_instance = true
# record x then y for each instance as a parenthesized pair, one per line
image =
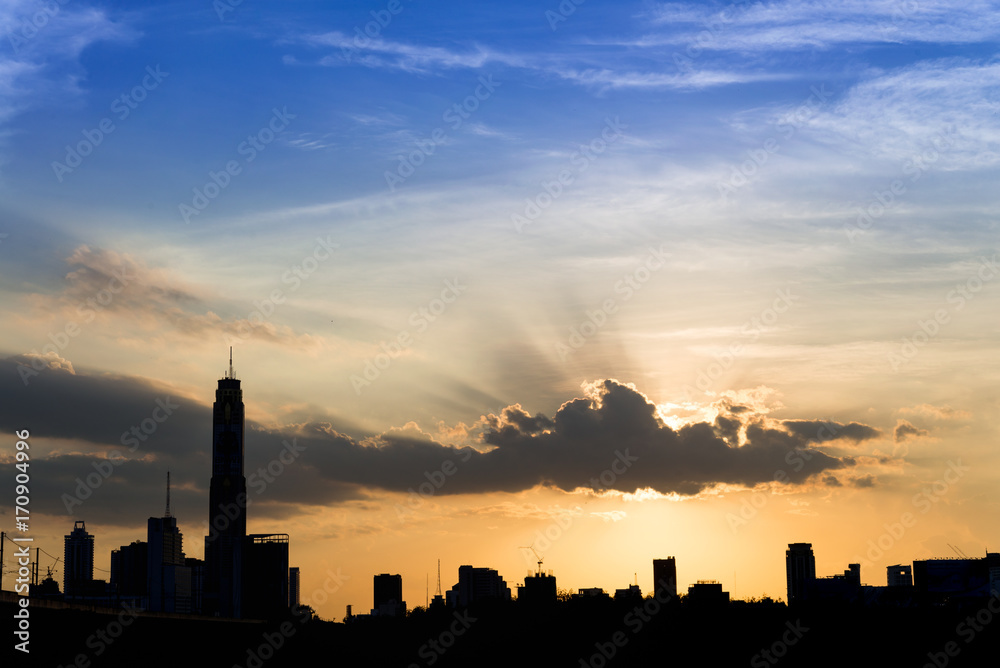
(788, 207)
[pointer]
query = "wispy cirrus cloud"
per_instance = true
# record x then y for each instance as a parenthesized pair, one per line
(403, 56)
(573, 67)
(611, 79)
(949, 105)
(43, 44)
(781, 26)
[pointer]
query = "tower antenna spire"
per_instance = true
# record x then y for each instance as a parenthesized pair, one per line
(231, 376)
(167, 514)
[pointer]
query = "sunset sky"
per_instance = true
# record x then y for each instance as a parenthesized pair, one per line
(617, 281)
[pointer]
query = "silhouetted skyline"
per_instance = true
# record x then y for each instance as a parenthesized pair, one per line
(586, 284)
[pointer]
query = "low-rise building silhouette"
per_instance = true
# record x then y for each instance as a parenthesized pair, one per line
(538, 589)
(707, 595)
(899, 575)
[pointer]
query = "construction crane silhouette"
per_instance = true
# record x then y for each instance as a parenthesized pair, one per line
(537, 556)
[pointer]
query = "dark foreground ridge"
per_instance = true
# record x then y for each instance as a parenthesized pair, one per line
(574, 633)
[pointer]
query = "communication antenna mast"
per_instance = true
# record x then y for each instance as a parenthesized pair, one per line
(439, 578)
(167, 514)
(231, 376)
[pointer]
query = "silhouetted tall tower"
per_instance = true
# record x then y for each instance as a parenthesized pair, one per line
(227, 502)
(78, 559)
(665, 578)
(800, 571)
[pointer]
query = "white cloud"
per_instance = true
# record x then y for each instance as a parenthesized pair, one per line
(742, 26)
(948, 109)
(408, 57)
(44, 43)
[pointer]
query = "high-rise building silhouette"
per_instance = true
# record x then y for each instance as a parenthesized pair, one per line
(265, 573)
(388, 596)
(197, 568)
(293, 587)
(78, 560)
(800, 571)
(169, 577)
(227, 502)
(129, 570)
(665, 578)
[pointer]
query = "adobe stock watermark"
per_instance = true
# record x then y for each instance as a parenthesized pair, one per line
(796, 460)
(627, 286)
(635, 620)
(751, 329)
(580, 161)
(419, 320)
(885, 200)
(432, 650)
(455, 116)
(902, 10)
(967, 630)
(250, 147)
(547, 537)
(623, 461)
(102, 639)
(563, 521)
(122, 106)
(757, 158)
(928, 329)
(435, 481)
(87, 310)
(565, 10)
(294, 276)
(27, 27)
(709, 35)
(132, 438)
(331, 585)
(924, 500)
(272, 641)
(381, 18)
(779, 648)
(223, 7)
(257, 481)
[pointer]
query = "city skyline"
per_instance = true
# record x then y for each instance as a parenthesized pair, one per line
(593, 284)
